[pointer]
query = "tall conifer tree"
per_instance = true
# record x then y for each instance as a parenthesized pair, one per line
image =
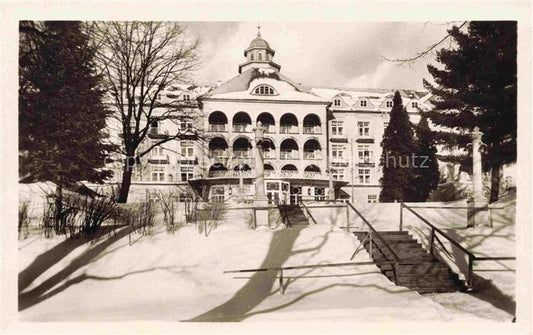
(427, 166)
(397, 183)
(477, 86)
(62, 118)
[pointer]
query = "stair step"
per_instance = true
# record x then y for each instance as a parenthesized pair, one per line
(423, 268)
(422, 272)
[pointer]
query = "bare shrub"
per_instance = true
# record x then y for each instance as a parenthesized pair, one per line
(24, 218)
(210, 217)
(167, 203)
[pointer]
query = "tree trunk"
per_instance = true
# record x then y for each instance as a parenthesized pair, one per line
(495, 178)
(59, 207)
(125, 186)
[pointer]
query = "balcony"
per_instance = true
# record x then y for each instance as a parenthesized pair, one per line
(312, 175)
(242, 154)
(288, 173)
(315, 130)
(288, 129)
(217, 128)
(312, 155)
(241, 128)
(218, 153)
(158, 159)
(289, 154)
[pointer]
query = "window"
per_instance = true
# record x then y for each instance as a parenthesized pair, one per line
(187, 149)
(337, 151)
(185, 123)
(158, 172)
(364, 176)
(414, 104)
(385, 125)
(252, 56)
(364, 128)
(338, 174)
(372, 198)
(337, 102)
(365, 154)
(260, 56)
(187, 97)
(157, 151)
(389, 103)
(264, 90)
(337, 127)
(187, 172)
(217, 194)
(363, 103)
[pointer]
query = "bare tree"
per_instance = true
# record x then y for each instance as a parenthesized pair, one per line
(428, 51)
(139, 60)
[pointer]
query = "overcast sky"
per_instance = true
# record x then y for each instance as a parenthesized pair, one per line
(322, 54)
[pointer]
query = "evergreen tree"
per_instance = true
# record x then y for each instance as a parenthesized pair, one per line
(477, 86)
(427, 166)
(397, 183)
(62, 118)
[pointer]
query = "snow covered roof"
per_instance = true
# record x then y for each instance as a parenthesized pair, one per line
(375, 98)
(240, 87)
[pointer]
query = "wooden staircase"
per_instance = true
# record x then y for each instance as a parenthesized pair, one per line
(417, 270)
(292, 215)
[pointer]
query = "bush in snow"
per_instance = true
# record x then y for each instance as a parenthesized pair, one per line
(209, 217)
(24, 217)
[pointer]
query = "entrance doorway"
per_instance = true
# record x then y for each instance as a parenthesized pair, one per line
(277, 192)
(296, 194)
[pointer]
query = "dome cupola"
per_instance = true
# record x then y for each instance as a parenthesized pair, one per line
(259, 55)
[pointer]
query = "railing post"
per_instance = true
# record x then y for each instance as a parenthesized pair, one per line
(371, 242)
(470, 271)
(396, 274)
(401, 216)
(432, 242)
(490, 218)
(347, 217)
(281, 281)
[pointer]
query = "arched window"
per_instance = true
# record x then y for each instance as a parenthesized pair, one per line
(264, 90)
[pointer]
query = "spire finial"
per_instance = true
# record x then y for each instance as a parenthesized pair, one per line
(258, 31)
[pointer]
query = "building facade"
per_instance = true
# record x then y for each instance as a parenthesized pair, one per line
(316, 138)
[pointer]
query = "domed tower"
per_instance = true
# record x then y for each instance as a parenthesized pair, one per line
(259, 55)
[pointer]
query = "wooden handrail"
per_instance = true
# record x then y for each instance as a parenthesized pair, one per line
(394, 255)
(307, 210)
(312, 266)
(438, 230)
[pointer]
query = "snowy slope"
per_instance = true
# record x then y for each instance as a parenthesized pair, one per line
(180, 278)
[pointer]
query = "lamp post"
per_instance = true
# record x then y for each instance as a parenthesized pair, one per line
(240, 168)
(260, 198)
(331, 190)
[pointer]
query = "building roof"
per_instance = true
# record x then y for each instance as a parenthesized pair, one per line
(258, 42)
(239, 87)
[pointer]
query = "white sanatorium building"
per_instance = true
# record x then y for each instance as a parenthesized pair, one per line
(311, 131)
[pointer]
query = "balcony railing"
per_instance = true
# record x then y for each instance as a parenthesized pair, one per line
(312, 175)
(313, 154)
(289, 154)
(288, 129)
(269, 154)
(268, 173)
(217, 127)
(241, 128)
(312, 130)
(288, 173)
(218, 153)
(241, 153)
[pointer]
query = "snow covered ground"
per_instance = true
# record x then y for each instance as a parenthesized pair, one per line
(179, 277)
